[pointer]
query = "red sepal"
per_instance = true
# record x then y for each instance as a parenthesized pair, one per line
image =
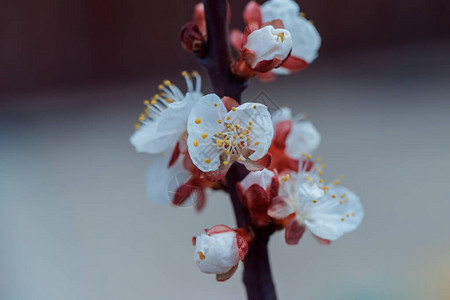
(293, 232)
(242, 245)
(227, 275)
(295, 64)
(229, 103)
(218, 229)
(259, 164)
(175, 154)
(322, 241)
(252, 13)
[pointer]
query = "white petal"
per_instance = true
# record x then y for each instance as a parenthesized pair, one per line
(208, 110)
(203, 124)
(148, 139)
(160, 178)
(303, 138)
(324, 218)
(308, 192)
(306, 39)
(261, 132)
(269, 43)
(279, 9)
(262, 178)
(175, 117)
(281, 115)
(220, 252)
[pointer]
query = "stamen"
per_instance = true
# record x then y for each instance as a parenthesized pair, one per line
(204, 135)
(201, 255)
(195, 143)
(198, 120)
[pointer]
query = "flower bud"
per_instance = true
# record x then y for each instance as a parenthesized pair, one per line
(218, 251)
(192, 39)
(267, 48)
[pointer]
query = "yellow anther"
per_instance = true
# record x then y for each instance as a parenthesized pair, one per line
(234, 136)
(227, 142)
(248, 139)
(246, 131)
(240, 158)
(215, 104)
(195, 143)
(342, 219)
(342, 196)
(141, 117)
(241, 136)
(347, 215)
(204, 135)
(207, 160)
(323, 166)
(257, 143)
(219, 121)
(314, 201)
(303, 154)
(286, 177)
(237, 126)
(225, 163)
(198, 120)
(341, 202)
(146, 102)
(184, 73)
(219, 133)
(316, 168)
(167, 82)
(233, 144)
(254, 106)
(250, 123)
(308, 156)
(160, 86)
(333, 196)
(137, 126)
(281, 36)
(228, 118)
(233, 108)
(228, 152)
(201, 255)
(302, 14)
(153, 101)
(194, 73)
(336, 182)
(320, 172)
(321, 180)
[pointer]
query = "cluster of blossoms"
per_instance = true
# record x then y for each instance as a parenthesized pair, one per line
(204, 135)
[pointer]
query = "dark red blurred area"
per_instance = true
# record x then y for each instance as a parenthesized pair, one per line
(48, 42)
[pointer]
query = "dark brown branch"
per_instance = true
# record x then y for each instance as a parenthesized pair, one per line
(218, 57)
(257, 274)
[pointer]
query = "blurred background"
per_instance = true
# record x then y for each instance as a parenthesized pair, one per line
(75, 222)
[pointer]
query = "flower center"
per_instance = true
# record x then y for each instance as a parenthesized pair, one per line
(233, 141)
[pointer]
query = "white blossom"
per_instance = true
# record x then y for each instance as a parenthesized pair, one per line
(306, 40)
(267, 44)
(217, 138)
(164, 119)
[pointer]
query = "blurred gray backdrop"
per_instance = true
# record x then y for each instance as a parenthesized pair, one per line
(74, 219)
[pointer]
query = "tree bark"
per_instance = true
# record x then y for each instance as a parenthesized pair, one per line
(257, 274)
